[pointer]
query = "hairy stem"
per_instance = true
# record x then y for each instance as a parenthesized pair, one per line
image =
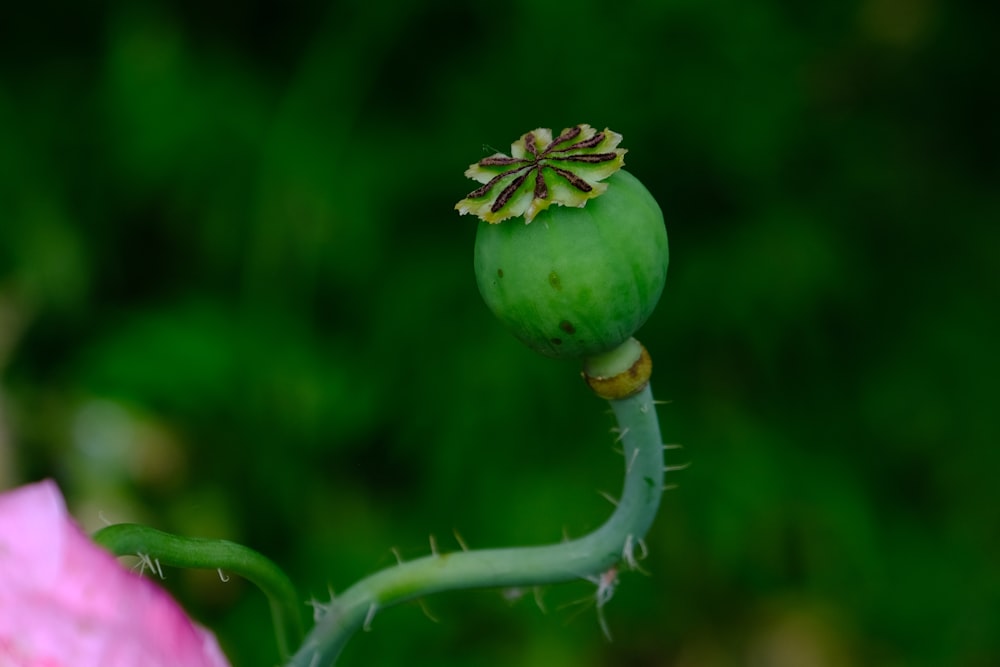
(125, 539)
(585, 557)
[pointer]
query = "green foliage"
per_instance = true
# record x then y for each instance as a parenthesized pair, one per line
(235, 302)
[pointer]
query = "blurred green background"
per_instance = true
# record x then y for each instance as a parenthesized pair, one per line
(235, 301)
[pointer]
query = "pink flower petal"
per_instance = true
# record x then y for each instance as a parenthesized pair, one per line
(65, 602)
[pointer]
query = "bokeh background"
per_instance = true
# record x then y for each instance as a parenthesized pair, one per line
(235, 301)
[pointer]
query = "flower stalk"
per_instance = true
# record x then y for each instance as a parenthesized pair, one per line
(618, 540)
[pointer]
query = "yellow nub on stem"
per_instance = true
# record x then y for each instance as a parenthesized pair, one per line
(612, 385)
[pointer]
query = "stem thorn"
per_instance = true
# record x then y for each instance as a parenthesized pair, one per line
(607, 496)
(458, 538)
(372, 608)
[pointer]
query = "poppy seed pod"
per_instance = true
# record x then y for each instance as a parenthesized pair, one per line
(579, 278)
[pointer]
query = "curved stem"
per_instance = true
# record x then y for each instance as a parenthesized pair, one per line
(125, 539)
(585, 557)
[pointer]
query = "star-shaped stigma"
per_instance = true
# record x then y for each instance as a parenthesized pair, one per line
(541, 171)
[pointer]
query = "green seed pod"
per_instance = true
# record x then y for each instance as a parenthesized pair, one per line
(577, 279)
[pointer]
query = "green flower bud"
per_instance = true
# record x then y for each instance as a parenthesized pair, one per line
(584, 275)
